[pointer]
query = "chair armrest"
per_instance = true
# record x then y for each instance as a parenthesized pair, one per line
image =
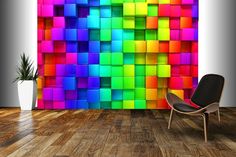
(172, 99)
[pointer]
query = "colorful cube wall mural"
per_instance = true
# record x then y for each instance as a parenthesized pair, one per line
(116, 54)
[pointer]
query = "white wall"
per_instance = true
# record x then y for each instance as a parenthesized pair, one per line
(18, 34)
(217, 43)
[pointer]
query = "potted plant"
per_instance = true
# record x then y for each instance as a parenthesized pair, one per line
(26, 82)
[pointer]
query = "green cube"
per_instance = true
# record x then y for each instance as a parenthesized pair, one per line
(128, 35)
(117, 71)
(140, 104)
(105, 105)
(94, 35)
(129, 58)
(105, 34)
(105, 82)
(105, 23)
(105, 58)
(128, 82)
(117, 11)
(162, 58)
(128, 94)
(115, 2)
(140, 82)
(105, 94)
(140, 70)
(140, 23)
(139, 34)
(117, 104)
(151, 34)
(151, 70)
(152, 10)
(164, 34)
(128, 46)
(117, 59)
(105, 71)
(140, 93)
(163, 71)
(117, 23)
(117, 82)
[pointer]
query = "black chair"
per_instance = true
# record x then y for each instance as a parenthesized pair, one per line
(207, 96)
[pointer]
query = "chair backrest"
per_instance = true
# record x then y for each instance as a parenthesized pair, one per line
(209, 90)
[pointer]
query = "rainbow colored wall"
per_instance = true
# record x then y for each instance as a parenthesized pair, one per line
(116, 54)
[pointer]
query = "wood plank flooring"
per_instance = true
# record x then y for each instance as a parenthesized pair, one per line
(113, 133)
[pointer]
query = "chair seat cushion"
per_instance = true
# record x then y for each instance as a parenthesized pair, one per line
(184, 107)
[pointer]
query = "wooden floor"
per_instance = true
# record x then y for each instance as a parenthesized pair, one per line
(108, 133)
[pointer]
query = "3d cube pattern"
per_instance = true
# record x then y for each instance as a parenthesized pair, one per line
(116, 54)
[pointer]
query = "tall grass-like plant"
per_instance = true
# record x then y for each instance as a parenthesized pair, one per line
(25, 70)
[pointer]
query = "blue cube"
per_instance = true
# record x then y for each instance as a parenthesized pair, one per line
(69, 83)
(82, 23)
(82, 58)
(82, 2)
(93, 96)
(82, 104)
(94, 82)
(70, 70)
(71, 47)
(117, 95)
(105, 11)
(94, 70)
(94, 46)
(117, 34)
(70, 10)
(116, 46)
(71, 104)
(71, 34)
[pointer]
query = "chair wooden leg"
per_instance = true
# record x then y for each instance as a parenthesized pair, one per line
(170, 119)
(218, 112)
(205, 120)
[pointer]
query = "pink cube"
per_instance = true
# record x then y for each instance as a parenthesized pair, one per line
(40, 104)
(71, 58)
(39, 9)
(175, 11)
(59, 105)
(40, 34)
(48, 1)
(47, 46)
(194, 59)
(59, 22)
(174, 35)
(40, 59)
(187, 1)
(187, 34)
(47, 10)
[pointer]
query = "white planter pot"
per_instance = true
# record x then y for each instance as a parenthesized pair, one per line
(27, 91)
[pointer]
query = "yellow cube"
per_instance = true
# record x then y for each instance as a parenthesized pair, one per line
(129, 70)
(141, 9)
(151, 70)
(163, 22)
(164, 34)
(129, 22)
(151, 58)
(151, 94)
(128, 104)
(128, 9)
(152, 1)
(139, 58)
(153, 46)
(141, 46)
(164, 1)
(179, 93)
